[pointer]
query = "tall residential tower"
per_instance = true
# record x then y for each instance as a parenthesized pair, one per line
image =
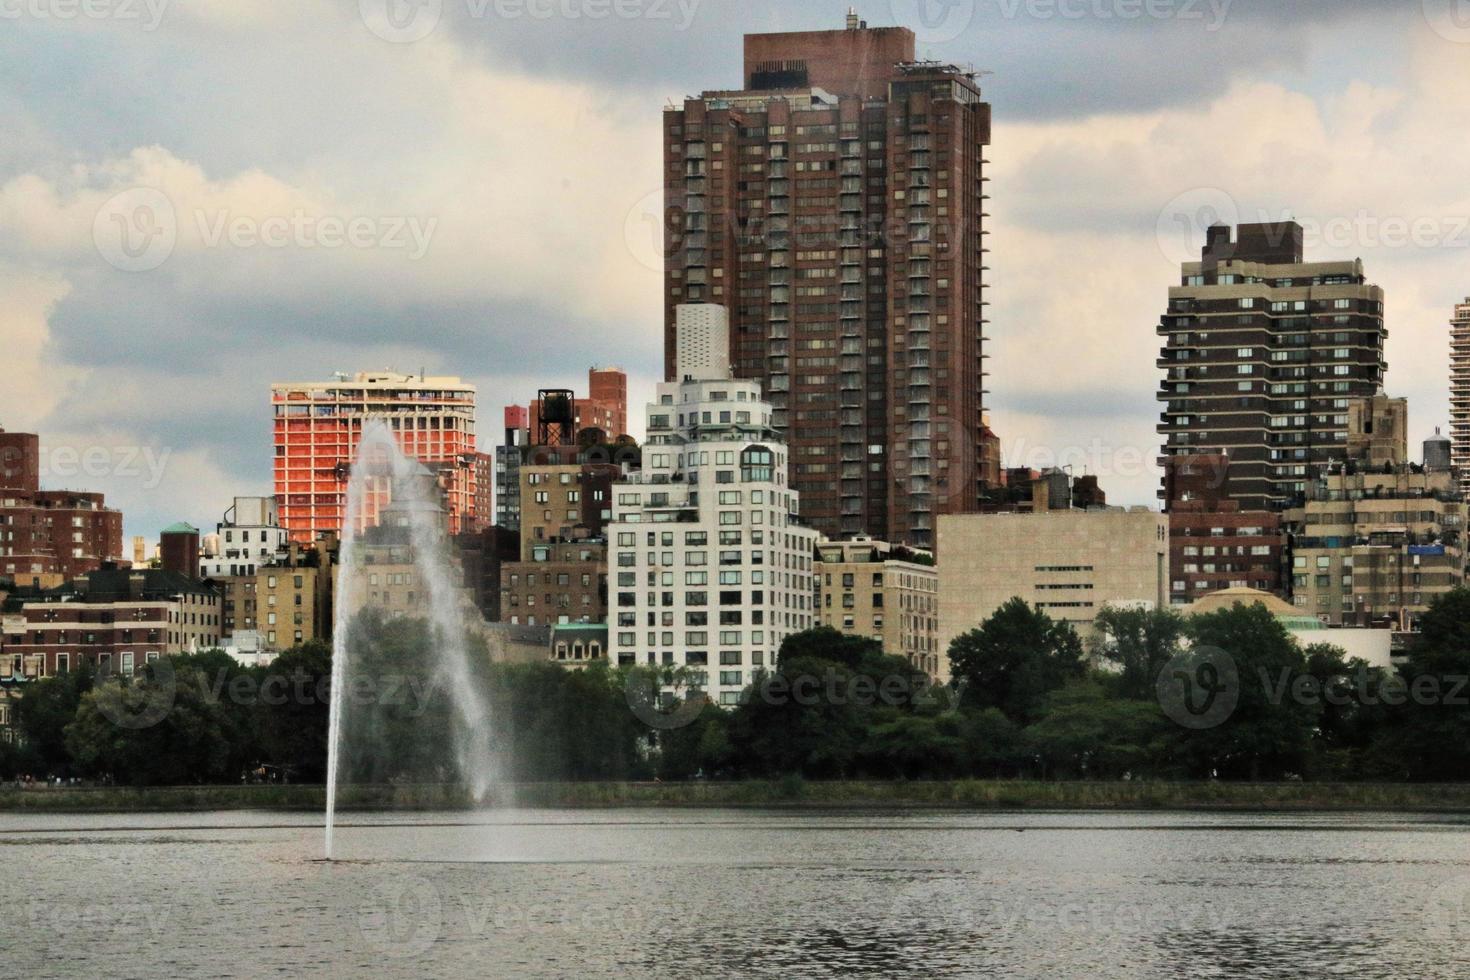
(1460, 393)
(1262, 354)
(835, 204)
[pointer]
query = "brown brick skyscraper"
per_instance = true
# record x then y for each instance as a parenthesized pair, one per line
(835, 206)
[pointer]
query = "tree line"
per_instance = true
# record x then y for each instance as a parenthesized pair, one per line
(1226, 695)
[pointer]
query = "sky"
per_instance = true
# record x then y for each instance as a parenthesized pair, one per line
(201, 197)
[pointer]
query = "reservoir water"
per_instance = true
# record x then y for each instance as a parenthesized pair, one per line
(726, 893)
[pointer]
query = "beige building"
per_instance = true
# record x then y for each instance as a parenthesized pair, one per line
(869, 588)
(1376, 539)
(287, 603)
(1374, 549)
(1070, 564)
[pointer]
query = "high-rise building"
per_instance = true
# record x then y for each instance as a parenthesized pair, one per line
(1460, 393)
(1262, 354)
(45, 533)
(835, 204)
(712, 569)
(317, 428)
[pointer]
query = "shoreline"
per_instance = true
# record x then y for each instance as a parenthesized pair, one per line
(781, 794)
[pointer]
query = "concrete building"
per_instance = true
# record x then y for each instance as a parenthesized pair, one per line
(566, 492)
(1262, 354)
(835, 205)
(712, 569)
(249, 537)
(116, 620)
(1070, 564)
(561, 582)
(317, 428)
(1374, 542)
(1460, 393)
(871, 589)
(49, 532)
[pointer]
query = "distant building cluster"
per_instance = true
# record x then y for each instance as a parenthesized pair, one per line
(819, 452)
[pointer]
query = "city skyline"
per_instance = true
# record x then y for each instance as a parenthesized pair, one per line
(1103, 176)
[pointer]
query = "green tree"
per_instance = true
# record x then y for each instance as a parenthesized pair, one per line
(1269, 733)
(162, 727)
(1088, 734)
(1427, 729)
(1014, 660)
(45, 708)
(1139, 642)
(293, 713)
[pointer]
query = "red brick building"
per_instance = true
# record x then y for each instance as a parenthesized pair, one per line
(115, 620)
(49, 532)
(1213, 544)
(605, 406)
(835, 206)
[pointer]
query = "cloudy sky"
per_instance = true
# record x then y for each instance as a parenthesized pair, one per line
(198, 197)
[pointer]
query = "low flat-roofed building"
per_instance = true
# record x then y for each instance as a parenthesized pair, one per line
(1070, 564)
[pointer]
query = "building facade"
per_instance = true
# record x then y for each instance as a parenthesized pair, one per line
(286, 602)
(249, 536)
(711, 567)
(317, 428)
(508, 467)
(835, 204)
(1213, 544)
(1262, 353)
(49, 532)
(562, 582)
(116, 620)
(868, 588)
(1377, 539)
(1070, 564)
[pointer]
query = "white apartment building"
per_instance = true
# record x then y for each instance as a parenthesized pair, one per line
(249, 538)
(708, 567)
